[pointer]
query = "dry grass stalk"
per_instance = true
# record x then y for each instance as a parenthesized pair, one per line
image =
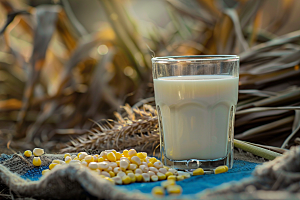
(139, 129)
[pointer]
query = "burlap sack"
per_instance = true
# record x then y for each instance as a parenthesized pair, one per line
(75, 182)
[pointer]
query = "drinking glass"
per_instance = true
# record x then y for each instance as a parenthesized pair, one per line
(196, 99)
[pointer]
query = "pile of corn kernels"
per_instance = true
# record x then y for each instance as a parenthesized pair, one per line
(125, 168)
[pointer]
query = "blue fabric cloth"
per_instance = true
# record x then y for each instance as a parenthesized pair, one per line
(241, 169)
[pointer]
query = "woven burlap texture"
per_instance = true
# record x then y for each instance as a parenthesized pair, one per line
(277, 179)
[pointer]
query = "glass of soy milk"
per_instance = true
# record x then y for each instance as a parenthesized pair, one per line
(196, 98)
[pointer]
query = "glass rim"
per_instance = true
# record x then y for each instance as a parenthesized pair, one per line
(195, 58)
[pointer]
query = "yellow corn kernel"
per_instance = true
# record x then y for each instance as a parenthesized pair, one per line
(36, 161)
(45, 171)
(89, 159)
(111, 157)
(132, 177)
(152, 160)
(132, 152)
(168, 174)
(128, 171)
(172, 177)
(118, 163)
(118, 155)
(179, 178)
(56, 161)
(138, 177)
(112, 174)
(76, 158)
(103, 154)
(198, 171)
(102, 176)
(158, 191)
(68, 159)
(27, 153)
(136, 160)
(140, 155)
(168, 182)
(126, 179)
(100, 159)
(79, 154)
(125, 153)
(221, 169)
(96, 155)
(51, 166)
(110, 180)
(174, 189)
(161, 176)
(145, 154)
(167, 168)
(67, 154)
(150, 164)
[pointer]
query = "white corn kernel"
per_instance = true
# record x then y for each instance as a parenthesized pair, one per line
(179, 178)
(154, 178)
(126, 159)
(88, 158)
(132, 166)
(151, 173)
(118, 180)
(95, 158)
(102, 165)
(132, 152)
(158, 164)
(174, 171)
(144, 168)
(167, 183)
(103, 154)
(109, 169)
(138, 171)
(132, 177)
(83, 162)
(163, 170)
(146, 177)
(121, 174)
(123, 165)
(82, 156)
(74, 162)
(38, 151)
(113, 164)
(117, 169)
(93, 165)
(73, 156)
(153, 169)
(144, 163)
(68, 159)
(105, 174)
(136, 160)
(184, 174)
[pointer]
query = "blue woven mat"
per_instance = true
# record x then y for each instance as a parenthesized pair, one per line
(241, 169)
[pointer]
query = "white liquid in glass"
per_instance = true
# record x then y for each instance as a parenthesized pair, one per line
(196, 114)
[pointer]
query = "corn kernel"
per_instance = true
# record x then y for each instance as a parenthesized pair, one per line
(108, 169)
(184, 174)
(173, 177)
(103, 154)
(83, 162)
(158, 191)
(113, 164)
(154, 178)
(163, 170)
(96, 155)
(132, 152)
(117, 170)
(82, 156)
(132, 177)
(110, 180)
(138, 177)
(168, 174)
(141, 155)
(153, 169)
(101, 176)
(36, 161)
(45, 171)
(114, 151)
(118, 180)
(179, 178)
(89, 159)
(27, 153)
(95, 158)
(38, 151)
(152, 160)
(151, 173)
(118, 163)
(74, 162)
(100, 159)
(128, 171)
(126, 179)
(138, 171)
(146, 177)
(150, 164)
(132, 166)
(67, 154)
(158, 164)
(221, 169)
(168, 183)
(112, 174)
(111, 157)
(56, 161)
(118, 155)
(68, 159)
(167, 168)
(144, 163)
(102, 165)
(76, 158)
(136, 160)
(198, 171)
(51, 166)
(145, 155)
(161, 176)
(174, 171)
(174, 189)
(73, 156)
(121, 174)
(144, 168)
(124, 165)
(125, 153)
(93, 165)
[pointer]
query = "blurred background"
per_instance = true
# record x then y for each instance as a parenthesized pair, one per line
(65, 64)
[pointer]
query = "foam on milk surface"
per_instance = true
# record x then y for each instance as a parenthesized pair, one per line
(195, 112)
